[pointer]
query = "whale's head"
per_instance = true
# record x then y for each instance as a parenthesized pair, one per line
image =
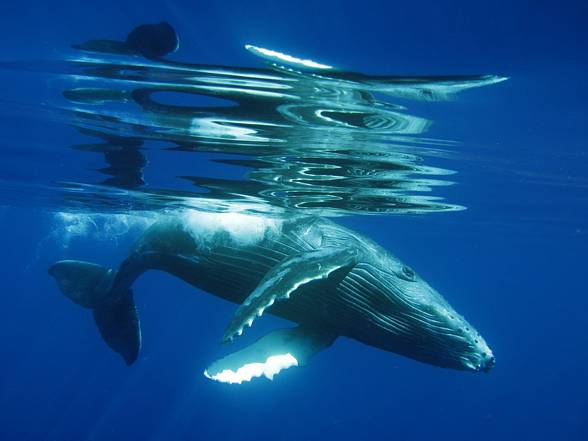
(414, 320)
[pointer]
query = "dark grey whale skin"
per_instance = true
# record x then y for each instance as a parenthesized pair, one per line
(379, 302)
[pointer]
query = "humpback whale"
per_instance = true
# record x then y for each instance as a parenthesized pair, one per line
(329, 280)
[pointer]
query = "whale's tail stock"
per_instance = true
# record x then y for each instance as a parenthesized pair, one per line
(106, 292)
(91, 286)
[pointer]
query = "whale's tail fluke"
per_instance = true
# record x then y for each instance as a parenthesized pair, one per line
(91, 286)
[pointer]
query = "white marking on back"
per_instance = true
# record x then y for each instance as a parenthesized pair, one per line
(241, 229)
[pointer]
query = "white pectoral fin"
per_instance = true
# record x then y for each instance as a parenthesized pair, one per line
(284, 279)
(272, 353)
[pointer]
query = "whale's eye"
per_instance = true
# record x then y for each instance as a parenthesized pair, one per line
(407, 274)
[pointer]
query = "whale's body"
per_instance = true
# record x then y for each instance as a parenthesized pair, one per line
(326, 278)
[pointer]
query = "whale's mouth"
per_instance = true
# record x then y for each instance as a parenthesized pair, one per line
(450, 353)
(488, 364)
(462, 348)
(485, 363)
(482, 354)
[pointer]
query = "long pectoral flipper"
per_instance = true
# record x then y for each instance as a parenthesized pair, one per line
(284, 279)
(278, 350)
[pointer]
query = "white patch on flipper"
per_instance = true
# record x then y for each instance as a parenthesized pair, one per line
(276, 56)
(272, 366)
(242, 229)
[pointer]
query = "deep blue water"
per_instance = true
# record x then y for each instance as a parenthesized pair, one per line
(514, 262)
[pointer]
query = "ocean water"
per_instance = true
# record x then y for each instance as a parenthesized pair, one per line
(451, 133)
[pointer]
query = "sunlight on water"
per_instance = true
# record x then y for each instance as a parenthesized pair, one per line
(305, 136)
